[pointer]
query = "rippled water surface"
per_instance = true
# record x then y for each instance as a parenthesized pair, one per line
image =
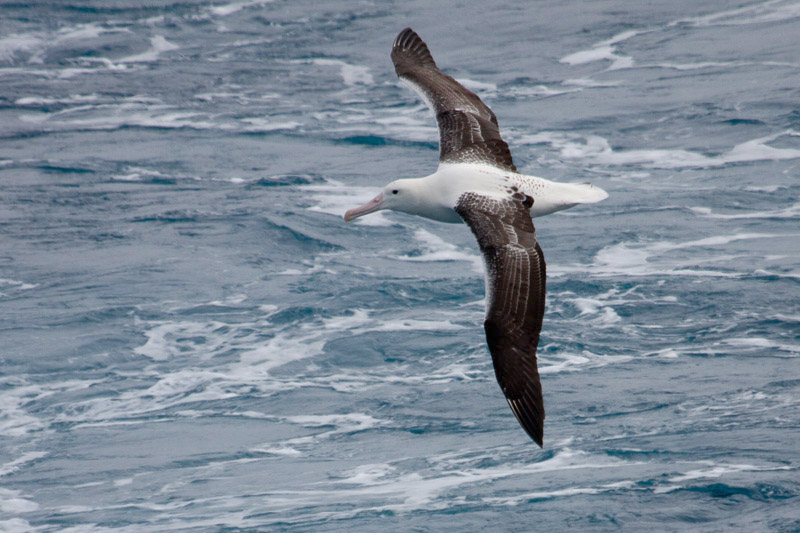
(192, 339)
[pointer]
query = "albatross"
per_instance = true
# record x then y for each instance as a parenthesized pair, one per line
(477, 183)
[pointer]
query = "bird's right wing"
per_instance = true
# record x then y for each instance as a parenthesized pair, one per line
(515, 296)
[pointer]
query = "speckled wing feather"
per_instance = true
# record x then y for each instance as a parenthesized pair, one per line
(469, 138)
(515, 295)
(468, 129)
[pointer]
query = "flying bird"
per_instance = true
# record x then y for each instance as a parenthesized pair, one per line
(477, 183)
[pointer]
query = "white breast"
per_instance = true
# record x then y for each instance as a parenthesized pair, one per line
(453, 180)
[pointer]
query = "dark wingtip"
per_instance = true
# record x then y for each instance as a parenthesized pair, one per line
(530, 418)
(409, 44)
(405, 35)
(537, 434)
(405, 31)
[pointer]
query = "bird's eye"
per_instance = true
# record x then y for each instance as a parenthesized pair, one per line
(395, 191)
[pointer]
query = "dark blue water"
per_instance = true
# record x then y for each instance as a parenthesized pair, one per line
(191, 339)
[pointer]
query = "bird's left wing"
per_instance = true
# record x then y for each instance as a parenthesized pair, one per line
(468, 129)
(414, 64)
(515, 296)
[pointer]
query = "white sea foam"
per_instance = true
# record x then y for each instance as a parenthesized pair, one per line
(391, 127)
(115, 116)
(755, 342)
(14, 418)
(36, 44)
(730, 410)
(401, 491)
(342, 423)
(276, 450)
(696, 66)
(604, 51)
(369, 474)
(409, 324)
(83, 32)
(764, 188)
(649, 259)
(767, 12)
(260, 124)
(90, 64)
(792, 211)
(335, 198)
(785, 318)
(474, 366)
(483, 88)
(71, 99)
(12, 502)
(606, 315)
(570, 362)
(352, 75)
(339, 423)
(785, 275)
(403, 120)
(757, 13)
(542, 91)
(284, 347)
(360, 322)
(248, 371)
(599, 53)
(223, 10)
(598, 150)
(600, 311)
(667, 353)
(12, 45)
(436, 249)
(560, 493)
(198, 339)
(134, 173)
(590, 83)
(100, 62)
(230, 301)
(16, 525)
(158, 45)
(16, 464)
(411, 123)
(729, 65)
(719, 470)
(318, 263)
(19, 285)
(761, 342)
(210, 97)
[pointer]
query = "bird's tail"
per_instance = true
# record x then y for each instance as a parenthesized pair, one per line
(582, 193)
(557, 196)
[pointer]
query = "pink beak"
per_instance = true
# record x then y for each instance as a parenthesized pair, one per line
(373, 205)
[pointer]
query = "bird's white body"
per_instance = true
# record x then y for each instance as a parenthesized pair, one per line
(435, 196)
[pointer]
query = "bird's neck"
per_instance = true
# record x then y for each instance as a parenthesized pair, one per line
(429, 199)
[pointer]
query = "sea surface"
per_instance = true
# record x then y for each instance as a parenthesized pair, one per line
(192, 339)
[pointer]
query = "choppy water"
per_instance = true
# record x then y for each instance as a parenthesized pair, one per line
(192, 338)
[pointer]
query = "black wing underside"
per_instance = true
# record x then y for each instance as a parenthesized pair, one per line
(468, 129)
(515, 281)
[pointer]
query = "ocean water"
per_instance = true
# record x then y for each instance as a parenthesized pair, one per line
(192, 339)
